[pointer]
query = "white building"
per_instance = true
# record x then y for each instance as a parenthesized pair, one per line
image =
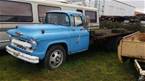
(108, 7)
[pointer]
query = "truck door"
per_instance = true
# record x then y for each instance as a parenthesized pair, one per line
(81, 40)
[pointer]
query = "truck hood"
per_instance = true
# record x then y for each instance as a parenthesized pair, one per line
(34, 31)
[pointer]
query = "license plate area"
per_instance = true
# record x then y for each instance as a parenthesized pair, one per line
(16, 54)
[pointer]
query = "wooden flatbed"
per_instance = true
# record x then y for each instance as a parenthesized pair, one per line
(107, 33)
(107, 38)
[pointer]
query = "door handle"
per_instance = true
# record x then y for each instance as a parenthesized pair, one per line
(82, 29)
(73, 29)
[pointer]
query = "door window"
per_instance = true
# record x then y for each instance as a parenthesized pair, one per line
(78, 21)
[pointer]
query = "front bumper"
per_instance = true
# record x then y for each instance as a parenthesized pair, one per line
(22, 56)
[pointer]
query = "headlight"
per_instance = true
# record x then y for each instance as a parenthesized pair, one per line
(33, 42)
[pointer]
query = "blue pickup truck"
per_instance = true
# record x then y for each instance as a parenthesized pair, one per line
(64, 33)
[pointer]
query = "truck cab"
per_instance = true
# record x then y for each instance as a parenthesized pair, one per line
(63, 33)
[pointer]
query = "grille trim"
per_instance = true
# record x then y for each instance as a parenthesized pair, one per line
(22, 45)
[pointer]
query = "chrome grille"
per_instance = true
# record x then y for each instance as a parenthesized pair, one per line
(21, 44)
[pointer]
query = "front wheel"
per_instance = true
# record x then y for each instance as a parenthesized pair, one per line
(55, 57)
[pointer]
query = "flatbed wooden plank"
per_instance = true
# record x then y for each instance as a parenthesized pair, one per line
(107, 33)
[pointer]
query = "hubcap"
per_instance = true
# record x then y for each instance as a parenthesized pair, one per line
(56, 58)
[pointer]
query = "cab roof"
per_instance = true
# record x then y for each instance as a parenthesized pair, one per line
(66, 12)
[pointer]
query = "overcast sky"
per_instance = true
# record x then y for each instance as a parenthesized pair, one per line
(139, 4)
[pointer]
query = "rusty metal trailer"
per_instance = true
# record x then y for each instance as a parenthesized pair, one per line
(132, 46)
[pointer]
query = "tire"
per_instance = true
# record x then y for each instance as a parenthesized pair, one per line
(55, 57)
(113, 44)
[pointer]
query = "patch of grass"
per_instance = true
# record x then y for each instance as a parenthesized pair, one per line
(86, 66)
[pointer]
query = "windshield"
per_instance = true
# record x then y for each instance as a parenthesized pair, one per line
(57, 19)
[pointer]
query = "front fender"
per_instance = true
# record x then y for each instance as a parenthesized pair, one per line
(43, 47)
